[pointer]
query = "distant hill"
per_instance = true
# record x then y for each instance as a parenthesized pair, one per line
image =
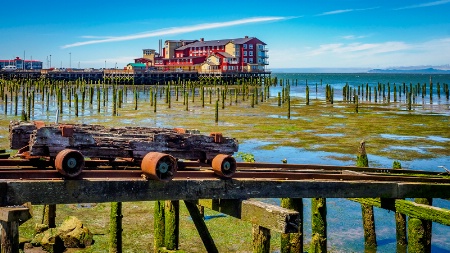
(411, 71)
(319, 70)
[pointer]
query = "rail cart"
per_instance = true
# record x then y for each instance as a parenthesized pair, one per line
(155, 150)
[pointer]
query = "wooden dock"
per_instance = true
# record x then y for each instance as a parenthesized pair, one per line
(121, 76)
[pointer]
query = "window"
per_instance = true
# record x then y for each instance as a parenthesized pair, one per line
(250, 60)
(250, 53)
(250, 46)
(245, 60)
(245, 46)
(245, 53)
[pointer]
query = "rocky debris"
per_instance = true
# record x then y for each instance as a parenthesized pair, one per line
(71, 234)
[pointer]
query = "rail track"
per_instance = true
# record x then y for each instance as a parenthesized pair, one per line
(39, 169)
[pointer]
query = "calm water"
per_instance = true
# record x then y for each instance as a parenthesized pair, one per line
(345, 233)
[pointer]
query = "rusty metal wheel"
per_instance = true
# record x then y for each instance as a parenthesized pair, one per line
(159, 166)
(224, 165)
(69, 162)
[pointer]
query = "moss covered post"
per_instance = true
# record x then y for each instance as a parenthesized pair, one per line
(419, 231)
(261, 239)
(172, 221)
(400, 221)
(293, 242)
(49, 215)
(370, 238)
(159, 225)
(318, 242)
(115, 228)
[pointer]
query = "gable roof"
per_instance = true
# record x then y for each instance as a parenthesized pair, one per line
(222, 42)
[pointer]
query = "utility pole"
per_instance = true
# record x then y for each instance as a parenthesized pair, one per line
(70, 60)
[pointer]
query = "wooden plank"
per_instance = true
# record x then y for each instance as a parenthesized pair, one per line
(262, 214)
(126, 190)
(420, 211)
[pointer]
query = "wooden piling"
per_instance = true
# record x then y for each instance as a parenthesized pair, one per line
(319, 225)
(400, 220)
(261, 239)
(159, 225)
(115, 228)
(216, 112)
(370, 240)
(6, 104)
(420, 231)
(11, 218)
(172, 221)
(307, 95)
(49, 216)
(293, 242)
(289, 107)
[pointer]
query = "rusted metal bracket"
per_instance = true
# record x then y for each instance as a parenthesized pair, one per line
(218, 137)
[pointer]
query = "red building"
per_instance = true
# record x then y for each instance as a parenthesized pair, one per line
(246, 54)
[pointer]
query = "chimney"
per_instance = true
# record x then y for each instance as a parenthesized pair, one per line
(202, 39)
(246, 37)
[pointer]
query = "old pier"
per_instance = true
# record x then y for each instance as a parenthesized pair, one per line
(121, 76)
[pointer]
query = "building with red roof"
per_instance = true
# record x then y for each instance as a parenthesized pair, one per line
(21, 64)
(247, 54)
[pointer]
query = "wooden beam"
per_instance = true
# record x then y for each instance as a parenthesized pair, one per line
(420, 211)
(262, 214)
(17, 214)
(128, 190)
(202, 229)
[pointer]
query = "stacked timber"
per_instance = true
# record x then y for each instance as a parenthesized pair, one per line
(102, 142)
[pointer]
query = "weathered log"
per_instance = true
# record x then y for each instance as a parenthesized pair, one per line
(97, 141)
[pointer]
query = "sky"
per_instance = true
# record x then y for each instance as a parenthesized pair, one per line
(298, 34)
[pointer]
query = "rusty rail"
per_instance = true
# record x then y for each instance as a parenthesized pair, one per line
(205, 173)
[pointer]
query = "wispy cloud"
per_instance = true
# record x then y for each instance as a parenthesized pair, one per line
(96, 37)
(354, 37)
(178, 30)
(360, 48)
(344, 11)
(376, 54)
(424, 5)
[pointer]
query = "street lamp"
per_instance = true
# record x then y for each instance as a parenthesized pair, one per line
(70, 60)
(50, 61)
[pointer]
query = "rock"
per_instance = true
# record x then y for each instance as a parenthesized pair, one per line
(40, 228)
(51, 241)
(74, 234)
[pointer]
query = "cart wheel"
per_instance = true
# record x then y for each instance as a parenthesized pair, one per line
(69, 162)
(224, 165)
(159, 166)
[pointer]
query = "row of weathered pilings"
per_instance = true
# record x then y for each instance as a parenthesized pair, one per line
(74, 97)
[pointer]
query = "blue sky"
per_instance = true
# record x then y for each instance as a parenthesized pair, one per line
(299, 34)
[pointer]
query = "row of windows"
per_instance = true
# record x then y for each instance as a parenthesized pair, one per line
(207, 48)
(250, 46)
(250, 60)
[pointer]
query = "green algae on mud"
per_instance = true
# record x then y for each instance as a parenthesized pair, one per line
(319, 126)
